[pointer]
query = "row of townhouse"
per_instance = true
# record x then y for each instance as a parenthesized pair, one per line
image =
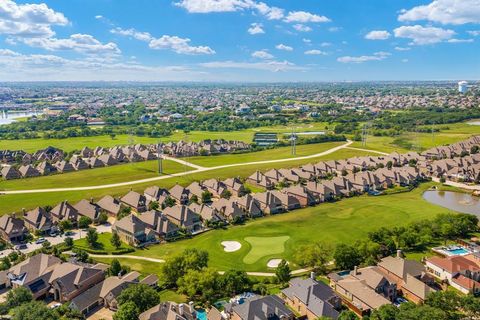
(52, 160)
(84, 287)
(460, 169)
(453, 150)
(14, 229)
(369, 288)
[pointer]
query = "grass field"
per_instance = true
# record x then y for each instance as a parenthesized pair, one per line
(77, 143)
(341, 222)
(107, 175)
(103, 243)
(271, 154)
(15, 203)
(264, 246)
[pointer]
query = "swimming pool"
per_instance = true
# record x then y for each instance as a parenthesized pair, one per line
(451, 251)
(458, 251)
(201, 314)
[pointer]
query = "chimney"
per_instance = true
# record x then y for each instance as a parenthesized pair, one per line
(355, 270)
(180, 309)
(190, 304)
(313, 275)
(399, 253)
(24, 211)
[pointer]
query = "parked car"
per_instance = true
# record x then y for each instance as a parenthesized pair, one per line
(40, 240)
(55, 306)
(20, 246)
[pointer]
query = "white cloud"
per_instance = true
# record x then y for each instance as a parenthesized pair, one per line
(404, 60)
(304, 17)
(99, 17)
(306, 40)
(28, 20)
(262, 54)
(378, 35)
(83, 43)
(460, 40)
(273, 66)
(179, 45)
(423, 35)
(325, 44)
(283, 47)
(256, 28)
(445, 11)
(403, 48)
(302, 28)
(142, 36)
(377, 56)
(474, 33)
(334, 29)
(208, 6)
(315, 52)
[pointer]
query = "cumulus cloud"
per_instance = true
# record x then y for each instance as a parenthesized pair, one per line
(402, 48)
(283, 47)
(474, 33)
(142, 36)
(460, 40)
(179, 45)
(302, 28)
(377, 35)
(423, 35)
(315, 52)
(262, 54)
(28, 20)
(306, 40)
(83, 43)
(208, 6)
(304, 17)
(445, 11)
(256, 28)
(377, 56)
(273, 66)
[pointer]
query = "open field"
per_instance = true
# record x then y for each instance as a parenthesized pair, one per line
(340, 222)
(77, 143)
(103, 243)
(113, 174)
(270, 154)
(15, 203)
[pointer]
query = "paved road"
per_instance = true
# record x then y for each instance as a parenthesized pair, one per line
(368, 150)
(178, 174)
(458, 184)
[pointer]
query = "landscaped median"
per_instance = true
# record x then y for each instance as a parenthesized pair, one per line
(103, 246)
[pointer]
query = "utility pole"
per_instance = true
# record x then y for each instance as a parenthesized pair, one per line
(364, 135)
(160, 158)
(293, 139)
(433, 133)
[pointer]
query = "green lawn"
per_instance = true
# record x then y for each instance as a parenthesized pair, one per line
(107, 175)
(271, 154)
(341, 222)
(77, 143)
(264, 246)
(15, 202)
(103, 243)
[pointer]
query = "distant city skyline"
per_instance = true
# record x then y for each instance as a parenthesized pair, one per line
(239, 40)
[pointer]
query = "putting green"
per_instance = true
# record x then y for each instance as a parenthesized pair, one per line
(264, 246)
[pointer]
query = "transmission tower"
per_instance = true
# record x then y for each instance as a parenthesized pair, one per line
(364, 134)
(293, 139)
(160, 158)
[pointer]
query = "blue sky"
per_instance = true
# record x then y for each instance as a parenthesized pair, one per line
(239, 40)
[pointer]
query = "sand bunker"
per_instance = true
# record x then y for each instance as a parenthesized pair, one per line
(231, 246)
(273, 263)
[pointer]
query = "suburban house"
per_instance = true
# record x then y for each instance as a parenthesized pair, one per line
(207, 213)
(110, 205)
(64, 211)
(235, 186)
(88, 209)
(461, 272)
(250, 206)
(183, 217)
(12, 229)
(28, 171)
(410, 277)
(64, 166)
(46, 168)
(131, 229)
(154, 193)
(230, 209)
(169, 311)
(269, 203)
(9, 173)
(196, 189)
(159, 223)
(258, 307)
(135, 200)
(180, 194)
(217, 188)
(302, 194)
(259, 179)
(37, 220)
(312, 299)
(289, 202)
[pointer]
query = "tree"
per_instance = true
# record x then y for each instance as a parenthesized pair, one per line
(82, 255)
(153, 205)
(385, 312)
(447, 301)
(112, 135)
(202, 284)
(102, 218)
(347, 315)
(92, 237)
(471, 305)
(226, 194)
(34, 310)
(68, 242)
(84, 222)
(143, 296)
(125, 211)
(389, 164)
(65, 225)
(115, 268)
(346, 257)
(233, 282)
(315, 255)
(18, 296)
(175, 267)
(206, 196)
(169, 202)
(283, 272)
(127, 311)
(193, 199)
(115, 240)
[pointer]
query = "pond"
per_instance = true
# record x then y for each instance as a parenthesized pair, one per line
(9, 117)
(457, 201)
